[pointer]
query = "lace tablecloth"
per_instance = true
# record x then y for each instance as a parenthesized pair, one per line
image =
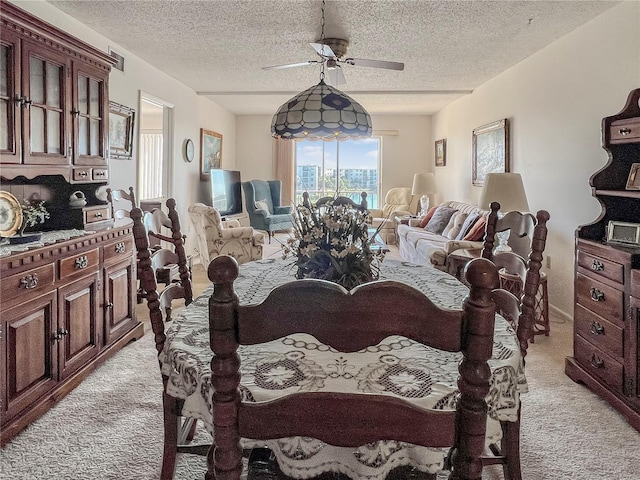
(396, 366)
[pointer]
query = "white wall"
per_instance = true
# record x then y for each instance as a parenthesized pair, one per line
(555, 101)
(403, 155)
(191, 112)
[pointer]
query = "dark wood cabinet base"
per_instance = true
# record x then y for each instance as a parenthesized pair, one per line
(35, 411)
(576, 373)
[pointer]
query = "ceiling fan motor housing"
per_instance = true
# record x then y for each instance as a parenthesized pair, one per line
(338, 45)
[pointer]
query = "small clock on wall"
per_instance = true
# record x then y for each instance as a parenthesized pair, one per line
(10, 214)
(189, 150)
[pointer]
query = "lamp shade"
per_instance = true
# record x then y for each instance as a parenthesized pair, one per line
(505, 188)
(423, 184)
(321, 113)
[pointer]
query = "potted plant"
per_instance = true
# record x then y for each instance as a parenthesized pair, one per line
(32, 214)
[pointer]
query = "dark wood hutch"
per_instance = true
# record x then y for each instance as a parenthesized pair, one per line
(607, 275)
(70, 304)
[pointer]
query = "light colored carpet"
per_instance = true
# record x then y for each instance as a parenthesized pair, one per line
(110, 427)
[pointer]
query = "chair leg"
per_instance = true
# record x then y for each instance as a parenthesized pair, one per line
(171, 425)
(511, 449)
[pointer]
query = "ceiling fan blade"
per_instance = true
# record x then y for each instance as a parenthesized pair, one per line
(323, 50)
(336, 76)
(363, 62)
(289, 65)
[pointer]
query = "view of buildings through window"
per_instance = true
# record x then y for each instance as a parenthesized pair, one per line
(344, 168)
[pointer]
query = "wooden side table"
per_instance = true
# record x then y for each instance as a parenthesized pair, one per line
(458, 259)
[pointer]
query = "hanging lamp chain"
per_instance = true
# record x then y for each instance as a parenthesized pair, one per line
(322, 41)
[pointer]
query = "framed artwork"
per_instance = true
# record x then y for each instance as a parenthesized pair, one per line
(441, 152)
(490, 150)
(633, 182)
(210, 152)
(121, 123)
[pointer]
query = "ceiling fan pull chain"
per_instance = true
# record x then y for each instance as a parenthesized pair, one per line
(322, 42)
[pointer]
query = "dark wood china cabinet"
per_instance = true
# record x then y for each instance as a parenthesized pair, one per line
(607, 273)
(70, 304)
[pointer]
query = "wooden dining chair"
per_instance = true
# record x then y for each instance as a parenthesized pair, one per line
(521, 228)
(122, 202)
(520, 310)
(339, 200)
(178, 430)
(331, 314)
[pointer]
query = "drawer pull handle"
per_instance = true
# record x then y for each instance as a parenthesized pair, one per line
(30, 281)
(60, 334)
(82, 262)
(120, 247)
(597, 329)
(109, 305)
(82, 174)
(98, 215)
(596, 362)
(596, 295)
(597, 266)
(100, 174)
(624, 131)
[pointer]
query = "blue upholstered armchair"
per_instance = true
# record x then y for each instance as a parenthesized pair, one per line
(264, 206)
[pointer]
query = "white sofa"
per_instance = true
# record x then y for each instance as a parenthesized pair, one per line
(425, 248)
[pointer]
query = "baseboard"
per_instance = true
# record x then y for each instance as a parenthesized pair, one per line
(560, 313)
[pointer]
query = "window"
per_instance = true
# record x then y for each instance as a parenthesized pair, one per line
(345, 168)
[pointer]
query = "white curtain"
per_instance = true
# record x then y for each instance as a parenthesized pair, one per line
(150, 182)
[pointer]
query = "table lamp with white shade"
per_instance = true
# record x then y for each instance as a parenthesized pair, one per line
(508, 190)
(424, 184)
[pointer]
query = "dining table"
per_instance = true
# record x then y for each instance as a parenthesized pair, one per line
(396, 366)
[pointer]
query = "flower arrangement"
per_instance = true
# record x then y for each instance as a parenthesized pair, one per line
(33, 214)
(333, 243)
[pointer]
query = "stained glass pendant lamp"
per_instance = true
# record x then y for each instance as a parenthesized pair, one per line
(321, 112)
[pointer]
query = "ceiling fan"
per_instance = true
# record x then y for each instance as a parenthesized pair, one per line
(331, 52)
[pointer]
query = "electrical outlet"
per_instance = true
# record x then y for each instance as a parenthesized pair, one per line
(548, 262)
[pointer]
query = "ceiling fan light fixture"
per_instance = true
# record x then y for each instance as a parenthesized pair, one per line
(321, 113)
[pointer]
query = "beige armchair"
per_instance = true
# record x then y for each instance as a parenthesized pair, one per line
(398, 201)
(216, 237)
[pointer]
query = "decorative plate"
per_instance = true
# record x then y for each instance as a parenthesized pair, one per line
(189, 150)
(10, 214)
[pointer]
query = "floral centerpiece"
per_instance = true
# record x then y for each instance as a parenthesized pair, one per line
(33, 213)
(334, 243)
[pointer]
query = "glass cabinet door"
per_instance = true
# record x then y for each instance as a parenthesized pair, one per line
(45, 109)
(9, 99)
(90, 114)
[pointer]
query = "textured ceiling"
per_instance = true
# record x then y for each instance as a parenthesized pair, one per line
(448, 47)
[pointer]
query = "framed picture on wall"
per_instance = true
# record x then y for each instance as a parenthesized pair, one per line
(490, 150)
(441, 152)
(210, 152)
(121, 123)
(633, 182)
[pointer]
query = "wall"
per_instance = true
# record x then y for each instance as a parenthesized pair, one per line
(555, 101)
(403, 155)
(190, 112)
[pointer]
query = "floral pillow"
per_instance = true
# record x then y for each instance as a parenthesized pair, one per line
(262, 205)
(440, 220)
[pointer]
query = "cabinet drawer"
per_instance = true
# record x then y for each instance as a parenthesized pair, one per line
(635, 283)
(599, 364)
(96, 214)
(119, 249)
(100, 174)
(84, 263)
(625, 131)
(29, 284)
(602, 299)
(600, 332)
(82, 174)
(598, 266)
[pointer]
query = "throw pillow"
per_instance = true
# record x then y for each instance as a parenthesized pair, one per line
(455, 224)
(424, 220)
(466, 226)
(440, 220)
(262, 205)
(477, 231)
